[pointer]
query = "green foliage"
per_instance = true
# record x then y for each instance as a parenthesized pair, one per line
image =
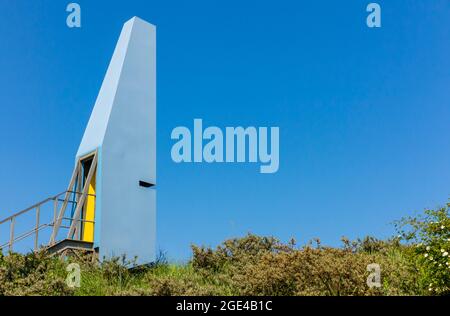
(430, 233)
(411, 264)
(263, 266)
(32, 274)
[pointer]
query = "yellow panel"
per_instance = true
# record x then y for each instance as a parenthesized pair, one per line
(88, 228)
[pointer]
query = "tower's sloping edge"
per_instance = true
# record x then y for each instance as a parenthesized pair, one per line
(98, 121)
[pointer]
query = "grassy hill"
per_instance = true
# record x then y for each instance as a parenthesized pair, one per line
(414, 263)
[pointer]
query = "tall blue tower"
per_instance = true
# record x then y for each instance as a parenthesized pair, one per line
(115, 169)
(110, 203)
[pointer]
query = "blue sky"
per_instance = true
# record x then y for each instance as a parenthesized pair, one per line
(364, 114)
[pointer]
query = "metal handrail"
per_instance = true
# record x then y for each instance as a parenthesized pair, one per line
(25, 235)
(42, 226)
(43, 202)
(38, 227)
(30, 208)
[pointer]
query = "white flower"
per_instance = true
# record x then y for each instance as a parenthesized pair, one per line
(426, 255)
(428, 248)
(442, 250)
(431, 258)
(445, 254)
(442, 227)
(447, 263)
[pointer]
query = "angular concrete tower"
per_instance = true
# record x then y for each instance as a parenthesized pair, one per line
(116, 161)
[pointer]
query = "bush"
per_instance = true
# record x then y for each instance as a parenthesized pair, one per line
(263, 266)
(32, 274)
(414, 263)
(430, 233)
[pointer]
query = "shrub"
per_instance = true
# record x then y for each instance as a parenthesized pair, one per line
(255, 265)
(264, 266)
(430, 233)
(32, 274)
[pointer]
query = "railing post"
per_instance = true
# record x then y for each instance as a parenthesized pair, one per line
(66, 200)
(55, 210)
(11, 233)
(36, 239)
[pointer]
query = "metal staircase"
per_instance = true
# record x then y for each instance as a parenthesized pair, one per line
(59, 221)
(59, 218)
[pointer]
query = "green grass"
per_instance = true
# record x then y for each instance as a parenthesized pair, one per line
(251, 265)
(254, 265)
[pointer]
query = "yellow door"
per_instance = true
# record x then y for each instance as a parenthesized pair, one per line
(89, 213)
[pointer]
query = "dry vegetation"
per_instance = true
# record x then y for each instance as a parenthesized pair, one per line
(255, 265)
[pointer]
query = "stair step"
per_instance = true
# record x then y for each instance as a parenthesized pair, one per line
(70, 244)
